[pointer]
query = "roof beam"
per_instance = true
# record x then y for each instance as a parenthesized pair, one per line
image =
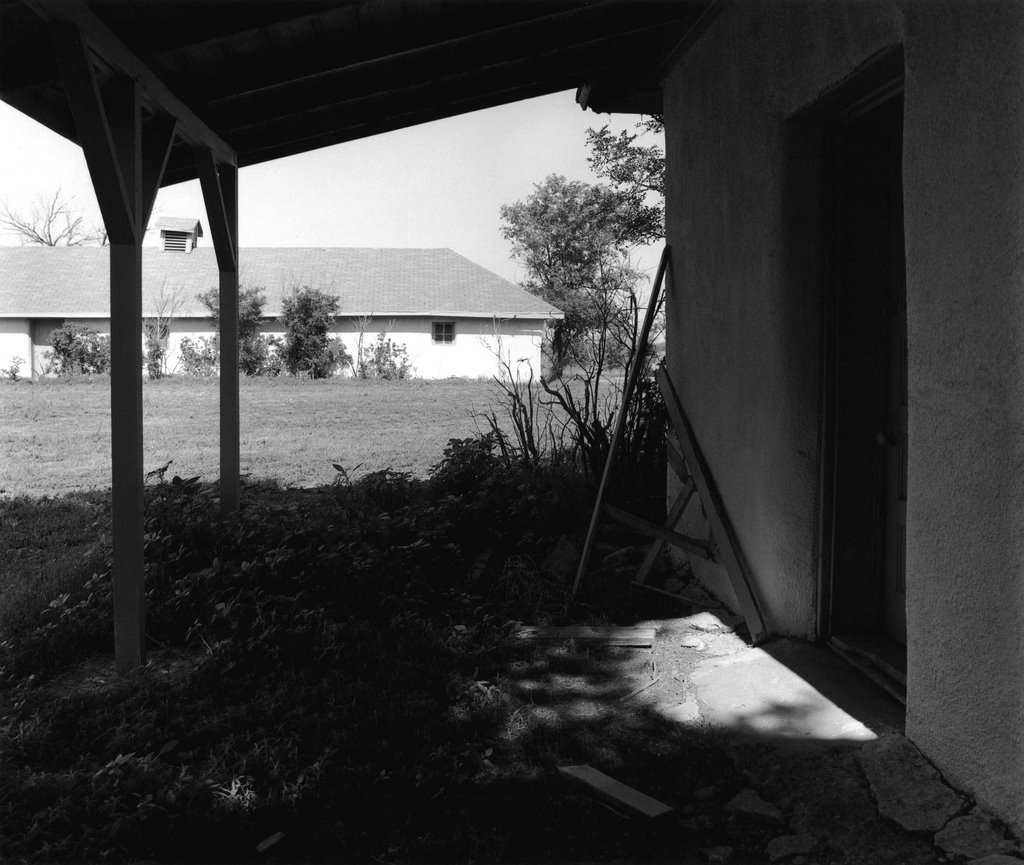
(155, 94)
(449, 60)
(533, 35)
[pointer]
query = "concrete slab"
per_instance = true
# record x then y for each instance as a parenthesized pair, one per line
(753, 692)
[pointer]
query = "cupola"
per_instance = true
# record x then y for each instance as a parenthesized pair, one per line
(179, 233)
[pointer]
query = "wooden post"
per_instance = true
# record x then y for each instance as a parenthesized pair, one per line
(219, 182)
(125, 172)
(620, 422)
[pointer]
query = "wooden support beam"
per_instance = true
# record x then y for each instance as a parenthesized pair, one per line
(685, 542)
(126, 172)
(94, 133)
(158, 135)
(220, 192)
(635, 637)
(154, 93)
(729, 553)
(675, 512)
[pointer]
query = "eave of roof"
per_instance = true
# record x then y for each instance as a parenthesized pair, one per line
(281, 77)
(41, 282)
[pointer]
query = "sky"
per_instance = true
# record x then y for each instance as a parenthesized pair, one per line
(439, 184)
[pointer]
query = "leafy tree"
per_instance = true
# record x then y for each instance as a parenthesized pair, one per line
(637, 172)
(254, 349)
(51, 221)
(308, 316)
(572, 238)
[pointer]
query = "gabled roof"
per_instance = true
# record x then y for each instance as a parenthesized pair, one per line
(180, 223)
(73, 282)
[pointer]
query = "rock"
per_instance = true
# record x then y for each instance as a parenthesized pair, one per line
(996, 859)
(563, 560)
(713, 621)
(749, 803)
(972, 835)
(693, 642)
(687, 712)
(718, 854)
(790, 845)
(907, 788)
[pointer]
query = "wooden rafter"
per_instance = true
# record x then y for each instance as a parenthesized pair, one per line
(121, 60)
(94, 132)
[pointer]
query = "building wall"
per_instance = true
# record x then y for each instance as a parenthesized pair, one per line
(964, 182)
(744, 325)
(16, 342)
(473, 353)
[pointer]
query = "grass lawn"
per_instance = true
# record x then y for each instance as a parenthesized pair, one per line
(55, 442)
(55, 436)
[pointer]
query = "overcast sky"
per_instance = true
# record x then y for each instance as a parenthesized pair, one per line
(436, 185)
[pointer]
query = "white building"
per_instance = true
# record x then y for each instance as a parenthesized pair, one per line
(454, 317)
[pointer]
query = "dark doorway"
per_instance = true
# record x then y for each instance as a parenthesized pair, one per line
(865, 395)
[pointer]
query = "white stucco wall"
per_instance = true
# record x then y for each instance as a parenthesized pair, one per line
(472, 354)
(964, 198)
(16, 342)
(743, 218)
(745, 292)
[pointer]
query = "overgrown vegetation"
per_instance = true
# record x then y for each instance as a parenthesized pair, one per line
(257, 353)
(384, 360)
(574, 240)
(331, 664)
(78, 350)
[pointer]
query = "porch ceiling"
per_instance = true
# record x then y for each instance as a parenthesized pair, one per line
(272, 78)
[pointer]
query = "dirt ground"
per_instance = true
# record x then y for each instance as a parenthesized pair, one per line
(817, 804)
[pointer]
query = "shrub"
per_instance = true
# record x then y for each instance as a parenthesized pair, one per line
(78, 350)
(385, 360)
(308, 315)
(12, 371)
(256, 352)
(199, 357)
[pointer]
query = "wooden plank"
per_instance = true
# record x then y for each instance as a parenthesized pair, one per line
(620, 421)
(608, 635)
(729, 552)
(675, 458)
(675, 512)
(691, 545)
(616, 793)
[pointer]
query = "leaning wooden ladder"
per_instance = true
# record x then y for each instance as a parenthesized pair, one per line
(689, 464)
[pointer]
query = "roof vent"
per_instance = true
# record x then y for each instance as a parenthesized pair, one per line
(179, 234)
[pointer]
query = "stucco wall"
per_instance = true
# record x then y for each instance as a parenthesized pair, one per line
(964, 194)
(16, 342)
(472, 354)
(743, 219)
(745, 294)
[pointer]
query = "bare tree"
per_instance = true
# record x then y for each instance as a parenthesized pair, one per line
(51, 221)
(157, 328)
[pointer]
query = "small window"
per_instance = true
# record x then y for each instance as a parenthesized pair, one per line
(444, 331)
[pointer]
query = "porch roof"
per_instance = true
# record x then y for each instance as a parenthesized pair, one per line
(274, 78)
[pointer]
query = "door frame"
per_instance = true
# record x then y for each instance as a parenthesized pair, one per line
(875, 83)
